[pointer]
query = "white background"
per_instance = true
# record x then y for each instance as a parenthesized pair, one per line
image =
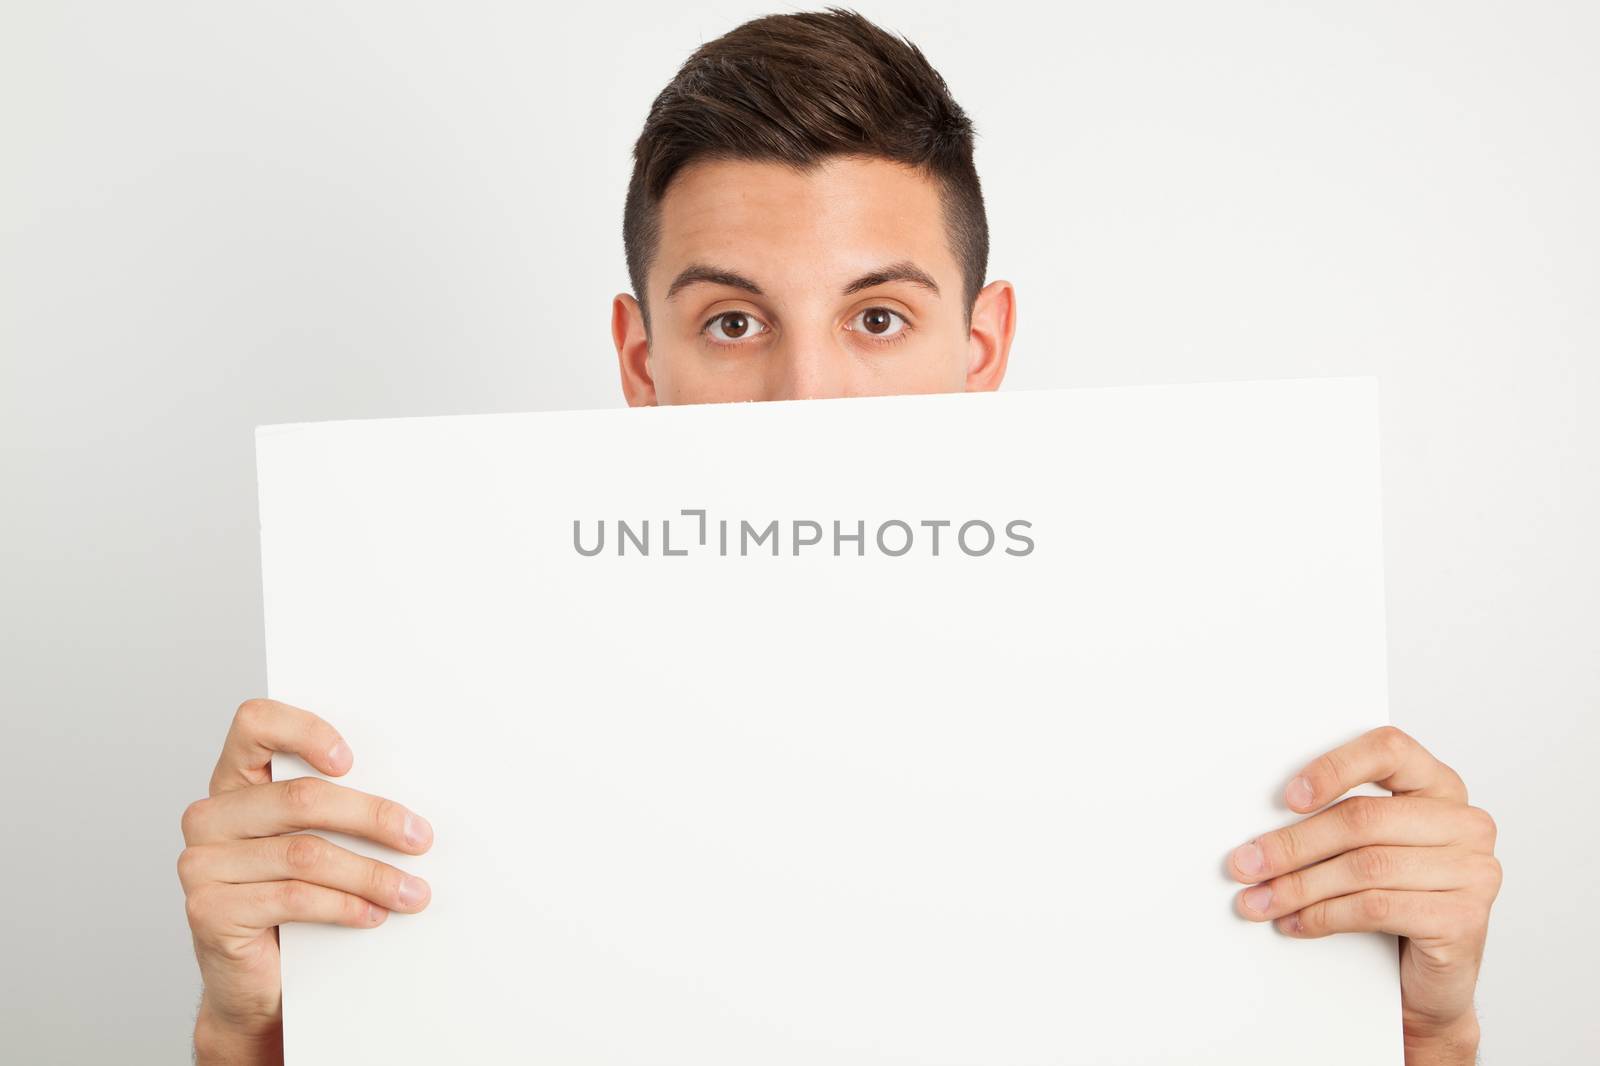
(214, 216)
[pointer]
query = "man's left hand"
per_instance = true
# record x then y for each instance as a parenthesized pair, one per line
(1419, 864)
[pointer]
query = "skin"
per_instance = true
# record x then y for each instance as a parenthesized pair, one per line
(803, 239)
(1418, 864)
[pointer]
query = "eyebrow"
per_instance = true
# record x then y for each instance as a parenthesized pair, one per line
(905, 270)
(700, 273)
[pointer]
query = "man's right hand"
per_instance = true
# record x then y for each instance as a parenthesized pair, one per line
(245, 869)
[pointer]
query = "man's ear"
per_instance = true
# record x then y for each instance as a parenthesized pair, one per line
(994, 320)
(633, 351)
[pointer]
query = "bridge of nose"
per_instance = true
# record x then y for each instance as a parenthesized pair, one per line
(812, 367)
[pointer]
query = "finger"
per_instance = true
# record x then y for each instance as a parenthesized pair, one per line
(1359, 821)
(1419, 915)
(219, 911)
(303, 857)
(1411, 869)
(304, 803)
(261, 727)
(1385, 756)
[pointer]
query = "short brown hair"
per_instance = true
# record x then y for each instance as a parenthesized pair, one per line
(795, 89)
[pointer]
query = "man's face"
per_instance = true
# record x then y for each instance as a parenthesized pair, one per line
(769, 284)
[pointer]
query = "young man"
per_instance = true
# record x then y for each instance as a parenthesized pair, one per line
(804, 220)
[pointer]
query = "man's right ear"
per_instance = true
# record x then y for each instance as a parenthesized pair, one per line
(633, 351)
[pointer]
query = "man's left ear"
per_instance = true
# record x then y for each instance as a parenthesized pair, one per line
(994, 320)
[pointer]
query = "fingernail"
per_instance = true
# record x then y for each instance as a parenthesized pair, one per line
(1299, 792)
(374, 913)
(1290, 924)
(417, 830)
(339, 754)
(1258, 898)
(412, 890)
(1248, 860)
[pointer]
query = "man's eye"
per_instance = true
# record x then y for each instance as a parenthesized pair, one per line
(732, 326)
(881, 322)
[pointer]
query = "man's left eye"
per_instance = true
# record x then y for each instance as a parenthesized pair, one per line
(880, 322)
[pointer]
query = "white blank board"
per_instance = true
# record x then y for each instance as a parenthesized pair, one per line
(816, 808)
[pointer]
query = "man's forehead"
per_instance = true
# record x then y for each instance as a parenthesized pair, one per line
(775, 224)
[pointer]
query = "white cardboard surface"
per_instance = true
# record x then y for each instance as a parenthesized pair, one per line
(730, 810)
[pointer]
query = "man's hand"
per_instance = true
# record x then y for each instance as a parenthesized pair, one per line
(245, 870)
(1419, 864)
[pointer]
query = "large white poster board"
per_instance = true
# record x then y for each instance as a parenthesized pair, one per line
(767, 794)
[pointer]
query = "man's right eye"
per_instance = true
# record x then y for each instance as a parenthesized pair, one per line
(732, 327)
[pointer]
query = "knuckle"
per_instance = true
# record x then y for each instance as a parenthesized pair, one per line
(383, 883)
(1332, 767)
(1289, 889)
(1373, 866)
(302, 794)
(198, 906)
(1490, 875)
(1375, 906)
(387, 817)
(186, 863)
(1392, 739)
(1281, 847)
(1484, 825)
(293, 896)
(251, 713)
(353, 908)
(1359, 815)
(193, 818)
(1480, 920)
(1453, 778)
(304, 852)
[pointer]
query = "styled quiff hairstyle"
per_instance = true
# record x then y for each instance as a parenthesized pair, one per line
(795, 89)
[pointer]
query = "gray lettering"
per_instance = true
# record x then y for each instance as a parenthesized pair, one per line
(666, 539)
(1011, 531)
(935, 524)
(746, 529)
(798, 542)
(884, 548)
(577, 542)
(702, 515)
(961, 536)
(625, 534)
(859, 536)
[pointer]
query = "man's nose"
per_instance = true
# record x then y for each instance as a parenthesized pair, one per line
(810, 368)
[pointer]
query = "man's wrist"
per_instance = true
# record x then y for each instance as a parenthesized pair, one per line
(1452, 1045)
(217, 1043)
